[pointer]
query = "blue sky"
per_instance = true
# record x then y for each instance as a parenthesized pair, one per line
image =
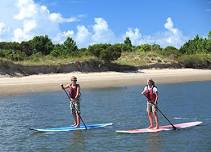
(106, 21)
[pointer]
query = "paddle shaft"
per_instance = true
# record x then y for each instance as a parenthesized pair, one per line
(166, 118)
(75, 108)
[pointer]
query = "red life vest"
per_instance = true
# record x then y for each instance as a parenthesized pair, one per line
(73, 91)
(149, 94)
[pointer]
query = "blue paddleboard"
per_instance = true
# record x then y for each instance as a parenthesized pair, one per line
(82, 127)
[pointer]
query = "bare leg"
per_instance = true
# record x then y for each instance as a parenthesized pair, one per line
(156, 120)
(77, 120)
(150, 120)
(74, 119)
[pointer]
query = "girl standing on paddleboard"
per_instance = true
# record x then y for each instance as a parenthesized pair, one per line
(151, 93)
(74, 93)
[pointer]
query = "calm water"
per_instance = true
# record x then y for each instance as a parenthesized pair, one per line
(122, 106)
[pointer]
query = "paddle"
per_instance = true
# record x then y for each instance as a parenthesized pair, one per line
(75, 107)
(174, 128)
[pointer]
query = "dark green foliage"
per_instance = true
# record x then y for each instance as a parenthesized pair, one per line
(209, 42)
(70, 46)
(209, 46)
(209, 35)
(106, 52)
(42, 44)
(96, 49)
(112, 53)
(195, 60)
(9, 45)
(18, 56)
(84, 51)
(26, 47)
(155, 47)
(193, 53)
(170, 50)
(196, 45)
(144, 47)
(13, 55)
(148, 47)
(58, 50)
(5, 53)
(127, 45)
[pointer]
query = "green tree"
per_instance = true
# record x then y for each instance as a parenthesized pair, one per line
(170, 51)
(106, 52)
(58, 50)
(10, 45)
(127, 45)
(209, 35)
(196, 45)
(42, 44)
(128, 42)
(26, 47)
(96, 49)
(70, 46)
(209, 45)
(170, 48)
(110, 54)
(155, 47)
(209, 42)
(144, 47)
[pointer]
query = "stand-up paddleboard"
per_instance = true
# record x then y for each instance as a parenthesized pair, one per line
(161, 128)
(59, 129)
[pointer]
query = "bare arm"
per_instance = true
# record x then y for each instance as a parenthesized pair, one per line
(156, 99)
(78, 92)
(144, 92)
(65, 86)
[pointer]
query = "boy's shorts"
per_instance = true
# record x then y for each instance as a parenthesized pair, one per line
(75, 107)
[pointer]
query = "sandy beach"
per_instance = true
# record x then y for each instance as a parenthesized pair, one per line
(51, 82)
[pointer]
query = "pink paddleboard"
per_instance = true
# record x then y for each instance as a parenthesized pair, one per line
(162, 128)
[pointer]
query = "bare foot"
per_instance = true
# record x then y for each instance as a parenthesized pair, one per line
(77, 126)
(157, 127)
(150, 127)
(74, 125)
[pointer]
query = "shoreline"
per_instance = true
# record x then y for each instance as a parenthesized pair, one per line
(51, 82)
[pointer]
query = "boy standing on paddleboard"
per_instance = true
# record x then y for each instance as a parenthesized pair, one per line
(74, 93)
(151, 93)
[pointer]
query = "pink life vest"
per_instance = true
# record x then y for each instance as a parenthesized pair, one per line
(149, 94)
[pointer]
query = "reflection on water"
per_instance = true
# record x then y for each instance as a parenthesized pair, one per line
(76, 141)
(154, 142)
(124, 107)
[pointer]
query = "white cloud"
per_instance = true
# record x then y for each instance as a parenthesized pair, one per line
(25, 32)
(101, 32)
(2, 27)
(82, 36)
(172, 36)
(56, 17)
(60, 37)
(68, 33)
(134, 35)
(27, 19)
(27, 9)
(100, 25)
(169, 25)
